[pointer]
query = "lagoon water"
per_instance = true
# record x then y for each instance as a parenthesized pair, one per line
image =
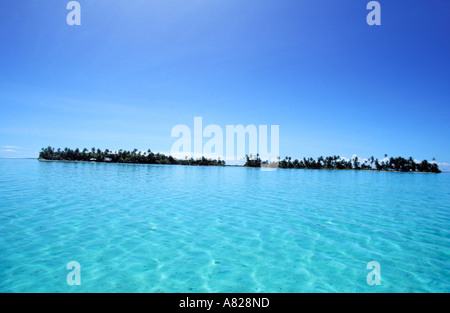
(146, 228)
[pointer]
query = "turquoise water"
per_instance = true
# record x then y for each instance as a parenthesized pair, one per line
(145, 228)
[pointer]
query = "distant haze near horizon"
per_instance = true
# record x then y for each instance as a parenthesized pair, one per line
(133, 70)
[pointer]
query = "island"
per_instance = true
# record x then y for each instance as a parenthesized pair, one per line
(398, 164)
(121, 156)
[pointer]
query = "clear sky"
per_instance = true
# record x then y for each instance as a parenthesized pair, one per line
(134, 69)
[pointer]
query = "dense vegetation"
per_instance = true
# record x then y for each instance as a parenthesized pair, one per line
(121, 156)
(398, 164)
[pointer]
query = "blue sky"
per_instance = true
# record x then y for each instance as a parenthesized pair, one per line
(135, 69)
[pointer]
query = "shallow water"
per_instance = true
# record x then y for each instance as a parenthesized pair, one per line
(146, 228)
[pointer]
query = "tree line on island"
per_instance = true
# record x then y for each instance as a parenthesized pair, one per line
(121, 156)
(398, 164)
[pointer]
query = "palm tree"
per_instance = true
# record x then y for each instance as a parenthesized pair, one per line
(356, 163)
